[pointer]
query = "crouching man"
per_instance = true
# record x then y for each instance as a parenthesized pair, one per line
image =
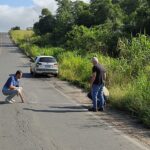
(12, 88)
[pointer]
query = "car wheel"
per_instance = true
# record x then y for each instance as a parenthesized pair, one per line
(34, 74)
(31, 71)
(55, 75)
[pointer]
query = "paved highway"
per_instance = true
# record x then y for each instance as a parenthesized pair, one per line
(49, 119)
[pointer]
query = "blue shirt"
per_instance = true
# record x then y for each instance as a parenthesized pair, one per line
(12, 81)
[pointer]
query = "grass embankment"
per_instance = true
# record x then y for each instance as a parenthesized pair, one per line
(128, 79)
(18, 36)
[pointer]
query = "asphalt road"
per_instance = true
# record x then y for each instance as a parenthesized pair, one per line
(49, 119)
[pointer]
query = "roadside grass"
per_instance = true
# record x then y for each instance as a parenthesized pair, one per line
(129, 90)
(19, 36)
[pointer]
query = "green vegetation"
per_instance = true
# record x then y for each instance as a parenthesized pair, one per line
(15, 28)
(116, 31)
(20, 36)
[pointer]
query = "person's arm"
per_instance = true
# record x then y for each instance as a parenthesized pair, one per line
(92, 79)
(11, 87)
(21, 96)
(11, 83)
(20, 91)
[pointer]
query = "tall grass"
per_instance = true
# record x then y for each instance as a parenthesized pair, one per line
(21, 35)
(136, 98)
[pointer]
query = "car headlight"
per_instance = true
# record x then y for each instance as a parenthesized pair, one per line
(38, 64)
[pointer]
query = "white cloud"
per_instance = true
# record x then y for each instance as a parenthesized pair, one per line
(50, 4)
(24, 16)
(17, 16)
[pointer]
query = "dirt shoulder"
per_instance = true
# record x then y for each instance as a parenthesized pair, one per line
(120, 120)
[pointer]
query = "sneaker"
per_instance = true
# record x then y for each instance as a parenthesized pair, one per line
(92, 109)
(101, 109)
(13, 100)
(9, 102)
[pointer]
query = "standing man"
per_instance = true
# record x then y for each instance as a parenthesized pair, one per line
(97, 83)
(12, 88)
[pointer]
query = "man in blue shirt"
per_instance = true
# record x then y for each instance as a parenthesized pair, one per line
(12, 88)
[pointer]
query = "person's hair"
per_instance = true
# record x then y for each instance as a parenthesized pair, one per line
(95, 59)
(18, 72)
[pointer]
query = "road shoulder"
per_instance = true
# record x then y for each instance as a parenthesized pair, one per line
(123, 122)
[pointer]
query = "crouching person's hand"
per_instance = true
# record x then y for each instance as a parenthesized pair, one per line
(20, 89)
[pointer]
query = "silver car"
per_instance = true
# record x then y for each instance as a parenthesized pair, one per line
(44, 65)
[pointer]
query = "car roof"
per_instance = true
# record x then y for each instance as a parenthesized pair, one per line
(45, 56)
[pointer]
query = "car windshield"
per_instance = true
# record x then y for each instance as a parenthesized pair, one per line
(47, 59)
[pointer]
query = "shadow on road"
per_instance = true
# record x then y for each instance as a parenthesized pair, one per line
(70, 107)
(3, 102)
(25, 65)
(16, 50)
(8, 45)
(57, 110)
(26, 75)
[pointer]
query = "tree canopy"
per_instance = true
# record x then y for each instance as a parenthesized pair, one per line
(121, 18)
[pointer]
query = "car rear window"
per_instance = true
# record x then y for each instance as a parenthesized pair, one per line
(47, 59)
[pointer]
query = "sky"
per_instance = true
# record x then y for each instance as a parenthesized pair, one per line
(23, 13)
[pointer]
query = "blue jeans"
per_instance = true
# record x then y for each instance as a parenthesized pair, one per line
(98, 96)
(9, 93)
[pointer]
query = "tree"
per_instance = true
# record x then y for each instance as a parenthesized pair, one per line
(142, 19)
(45, 12)
(104, 10)
(129, 6)
(82, 14)
(138, 20)
(36, 28)
(15, 28)
(46, 23)
(64, 20)
(100, 10)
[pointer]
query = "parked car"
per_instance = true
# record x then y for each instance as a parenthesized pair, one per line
(44, 65)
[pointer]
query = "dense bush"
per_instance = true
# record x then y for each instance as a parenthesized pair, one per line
(136, 51)
(97, 39)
